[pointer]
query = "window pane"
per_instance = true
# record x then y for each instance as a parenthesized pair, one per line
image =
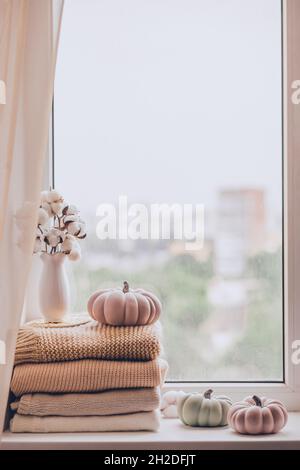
(179, 101)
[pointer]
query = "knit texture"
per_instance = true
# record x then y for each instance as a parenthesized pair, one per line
(87, 375)
(145, 421)
(41, 342)
(110, 402)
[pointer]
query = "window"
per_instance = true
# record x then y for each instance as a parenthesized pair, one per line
(180, 102)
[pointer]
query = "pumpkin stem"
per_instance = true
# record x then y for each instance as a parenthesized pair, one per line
(126, 287)
(208, 393)
(257, 400)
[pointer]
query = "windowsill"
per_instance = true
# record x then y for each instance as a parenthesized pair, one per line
(172, 435)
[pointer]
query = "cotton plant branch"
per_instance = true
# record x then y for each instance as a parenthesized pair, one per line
(59, 226)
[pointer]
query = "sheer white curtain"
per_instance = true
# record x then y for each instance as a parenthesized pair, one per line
(29, 32)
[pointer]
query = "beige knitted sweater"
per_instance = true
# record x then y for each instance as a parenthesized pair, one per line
(87, 375)
(110, 402)
(86, 339)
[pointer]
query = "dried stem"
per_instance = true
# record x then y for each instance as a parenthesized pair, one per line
(208, 393)
(125, 287)
(257, 400)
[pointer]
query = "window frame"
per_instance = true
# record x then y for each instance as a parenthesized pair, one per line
(289, 390)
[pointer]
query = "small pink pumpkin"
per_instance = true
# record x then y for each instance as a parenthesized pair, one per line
(256, 415)
(124, 307)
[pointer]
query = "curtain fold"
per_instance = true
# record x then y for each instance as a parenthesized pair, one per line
(29, 34)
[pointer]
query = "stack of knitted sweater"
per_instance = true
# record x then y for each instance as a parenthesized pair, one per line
(85, 377)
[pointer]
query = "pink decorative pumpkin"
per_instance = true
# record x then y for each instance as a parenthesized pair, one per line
(256, 415)
(124, 306)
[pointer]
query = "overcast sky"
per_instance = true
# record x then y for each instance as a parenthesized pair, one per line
(168, 100)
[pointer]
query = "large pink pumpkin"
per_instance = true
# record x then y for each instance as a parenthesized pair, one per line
(124, 306)
(256, 415)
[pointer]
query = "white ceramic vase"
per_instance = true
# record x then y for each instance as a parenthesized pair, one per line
(54, 291)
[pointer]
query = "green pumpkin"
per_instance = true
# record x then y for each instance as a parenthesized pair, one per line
(197, 409)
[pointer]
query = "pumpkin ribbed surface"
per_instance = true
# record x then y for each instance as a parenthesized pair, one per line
(125, 307)
(197, 409)
(256, 415)
(37, 342)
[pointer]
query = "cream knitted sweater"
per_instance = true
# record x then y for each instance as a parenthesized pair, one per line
(144, 421)
(86, 339)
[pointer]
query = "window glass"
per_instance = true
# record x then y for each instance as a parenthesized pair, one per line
(180, 102)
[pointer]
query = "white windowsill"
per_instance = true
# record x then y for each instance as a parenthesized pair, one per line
(173, 436)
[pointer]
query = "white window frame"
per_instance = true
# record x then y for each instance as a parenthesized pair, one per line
(289, 390)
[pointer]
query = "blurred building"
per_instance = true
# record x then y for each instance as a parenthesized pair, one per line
(241, 229)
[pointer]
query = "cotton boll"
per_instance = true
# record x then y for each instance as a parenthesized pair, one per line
(54, 196)
(170, 412)
(70, 209)
(74, 228)
(68, 244)
(77, 229)
(75, 225)
(74, 255)
(67, 219)
(168, 404)
(56, 207)
(47, 207)
(81, 234)
(62, 234)
(43, 216)
(53, 237)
